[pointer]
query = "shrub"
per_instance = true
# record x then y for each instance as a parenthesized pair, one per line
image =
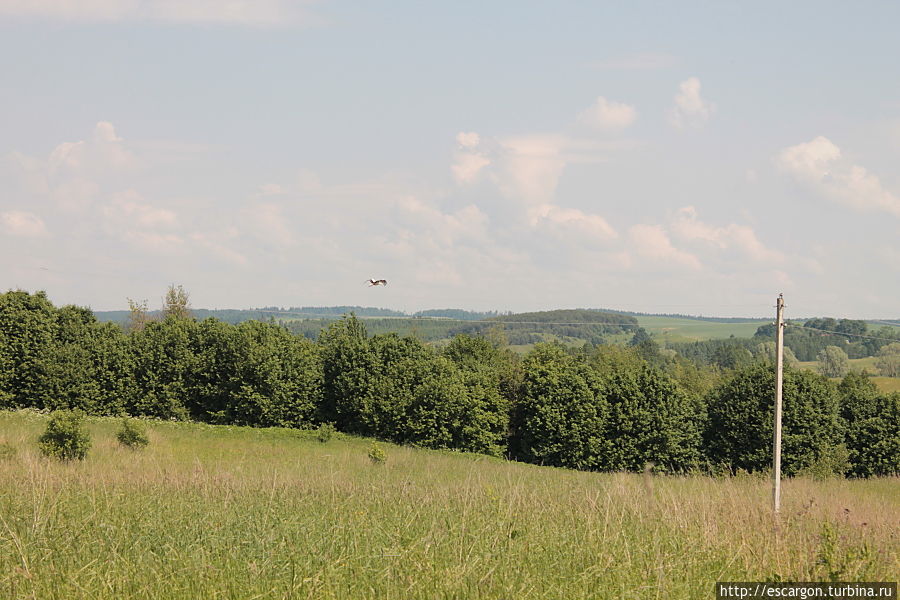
(376, 454)
(325, 431)
(65, 437)
(833, 461)
(7, 451)
(133, 434)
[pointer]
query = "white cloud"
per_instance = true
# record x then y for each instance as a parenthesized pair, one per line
(571, 220)
(220, 245)
(819, 165)
(691, 109)
(105, 151)
(687, 227)
(530, 167)
(468, 165)
(128, 209)
(269, 223)
(22, 224)
(260, 13)
(468, 139)
(606, 115)
(652, 242)
(468, 161)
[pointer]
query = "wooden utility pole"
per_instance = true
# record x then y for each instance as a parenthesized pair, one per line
(779, 379)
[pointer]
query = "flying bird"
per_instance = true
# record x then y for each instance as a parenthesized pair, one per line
(374, 281)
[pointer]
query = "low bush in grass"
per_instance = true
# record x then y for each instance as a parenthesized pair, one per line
(133, 434)
(377, 454)
(65, 437)
(7, 451)
(325, 432)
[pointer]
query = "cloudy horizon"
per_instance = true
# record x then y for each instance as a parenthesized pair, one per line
(697, 159)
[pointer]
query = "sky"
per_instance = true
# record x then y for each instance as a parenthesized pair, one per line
(679, 157)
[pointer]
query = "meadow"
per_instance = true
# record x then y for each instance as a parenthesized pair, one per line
(228, 512)
(677, 329)
(885, 385)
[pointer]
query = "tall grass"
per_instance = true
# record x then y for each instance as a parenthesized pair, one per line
(226, 512)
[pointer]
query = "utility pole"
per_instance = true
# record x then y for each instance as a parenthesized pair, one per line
(779, 380)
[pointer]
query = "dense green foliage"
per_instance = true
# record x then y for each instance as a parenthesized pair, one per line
(813, 336)
(740, 420)
(873, 427)
(65, 437)
(133, 434)
(599, 407)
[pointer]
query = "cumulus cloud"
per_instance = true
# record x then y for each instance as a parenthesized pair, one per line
(652, 242)
(128, 209)
(468, 139)
(571, 220)
(468, 160)
(689, 228)
(22, 224)
(819, 165)
(606, 115)
(691, 109)
(530, 167)
(103, 152)
(220, 245)
(260, 13)
(468, 165)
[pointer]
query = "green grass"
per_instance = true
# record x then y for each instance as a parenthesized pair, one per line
(223, 512)
(674, 329)
(884, 384)
(887, 384)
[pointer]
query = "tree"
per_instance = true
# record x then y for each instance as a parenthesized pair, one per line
(833, 362)
(561, 418)
(649, 421)
(138, 315)
(27, 339)
(740, 420)
(254, 373)
(348, 368)
(766, 351)
(888, 361)
(163, 362)
(176, 303)
(873, 439)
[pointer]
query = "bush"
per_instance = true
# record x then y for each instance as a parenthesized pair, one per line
(833, 461)
(133, 434)
(376, 454)
(325, 431)
(65, 437)
(7, 451)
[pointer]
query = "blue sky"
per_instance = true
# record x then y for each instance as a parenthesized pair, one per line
(694, 157)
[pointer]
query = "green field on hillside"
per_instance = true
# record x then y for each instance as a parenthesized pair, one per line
(676, 329)
(228, 512)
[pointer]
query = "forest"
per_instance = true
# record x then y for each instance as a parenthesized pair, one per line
(601, 407)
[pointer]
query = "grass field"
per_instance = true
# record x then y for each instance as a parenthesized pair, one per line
(674, 329)
(219, 512)
(884, 384)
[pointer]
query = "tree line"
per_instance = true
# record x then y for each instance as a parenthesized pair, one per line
(605, 408)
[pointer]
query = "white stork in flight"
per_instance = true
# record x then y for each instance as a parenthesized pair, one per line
(373, 282)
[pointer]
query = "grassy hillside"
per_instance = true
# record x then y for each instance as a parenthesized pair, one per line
(677, 329)
(224, 512)
(885, 384)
